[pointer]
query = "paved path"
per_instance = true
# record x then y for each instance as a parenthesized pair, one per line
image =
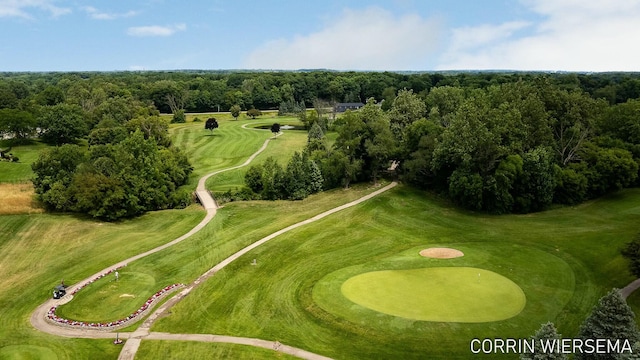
(133, 340)
(627, 290)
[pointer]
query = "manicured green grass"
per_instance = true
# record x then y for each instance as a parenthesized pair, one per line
(153, 350)
(229, 145)
(37, 251)
(563, 259)
(447, 294)
(117, 299)
(20, 171)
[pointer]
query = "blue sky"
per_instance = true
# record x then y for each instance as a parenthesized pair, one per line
(76, 35)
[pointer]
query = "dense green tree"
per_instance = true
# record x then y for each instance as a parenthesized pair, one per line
(89, 99)
(467, 143)
(253, 178)
(632, 252)
(379, 143)
(466, 188)
(547, 333)
(62, 123)
(104, 135)
(151, 127)
(315, 180)
(8, 98)
(112, 181)
(120, 109)
(142, 176)
(420, 141)
(235, 111)
(499, 189)
(610, 319)
(275, 129)
(349, 151)
(316, 140)
(253, 113)
(211, 124)
(535, 188)
(572, 119)
(340, 168)
(297, 178)
(168, 96)
(622, 122)
(607, 169)
(273, 180)
(443, 102)
(17, 124)
(54, 171)
(50, 96)
(571, 185)
(179, 117)
(407, 108)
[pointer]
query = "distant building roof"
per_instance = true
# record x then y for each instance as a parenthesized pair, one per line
(342, 107)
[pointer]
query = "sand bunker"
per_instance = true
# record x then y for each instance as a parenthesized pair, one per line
(441, 253)
(127, 296)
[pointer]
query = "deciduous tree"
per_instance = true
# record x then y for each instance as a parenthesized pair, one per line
(275, 129)
(253, 113)
(62, 123)
(235, 111)
(211, 124)
(18, 124)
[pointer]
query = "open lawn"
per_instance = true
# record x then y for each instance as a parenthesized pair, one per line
(563, 260)
(38, 251)
(155, 349)
(20, 171)
(230, 145)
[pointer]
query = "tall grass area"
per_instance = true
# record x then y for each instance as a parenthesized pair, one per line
(18, 198)
(564, 260)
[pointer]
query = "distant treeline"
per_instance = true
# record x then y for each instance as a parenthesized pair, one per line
(205, 91)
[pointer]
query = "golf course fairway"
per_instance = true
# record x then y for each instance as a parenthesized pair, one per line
(443, 294)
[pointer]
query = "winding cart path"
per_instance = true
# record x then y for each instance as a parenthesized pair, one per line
(133, 340)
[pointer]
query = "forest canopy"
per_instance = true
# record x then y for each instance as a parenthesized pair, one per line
(491, 141)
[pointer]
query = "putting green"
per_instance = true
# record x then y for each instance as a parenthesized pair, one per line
(445, 294)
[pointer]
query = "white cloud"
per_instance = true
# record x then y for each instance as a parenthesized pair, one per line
(573, 35)
(372, 39)
(156, 30)
(19, 8)
(100, 15)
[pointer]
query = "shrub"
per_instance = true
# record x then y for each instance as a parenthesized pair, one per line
(179, 117)
(632, 252)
